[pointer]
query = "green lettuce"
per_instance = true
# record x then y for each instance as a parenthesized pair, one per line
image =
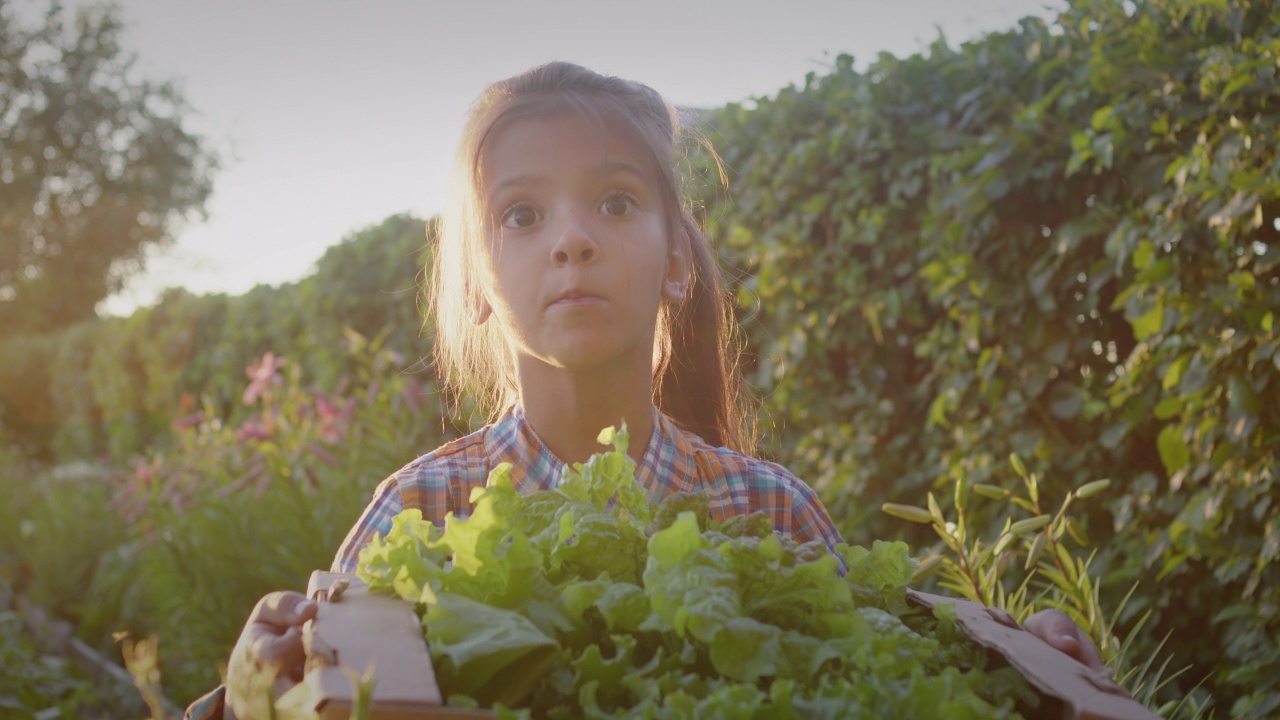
(586, 600)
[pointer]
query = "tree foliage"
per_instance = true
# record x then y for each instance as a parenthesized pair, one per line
(1058, 242)
(97, 165)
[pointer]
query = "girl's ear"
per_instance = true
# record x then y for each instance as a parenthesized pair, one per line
(480, 311)
(675, 283)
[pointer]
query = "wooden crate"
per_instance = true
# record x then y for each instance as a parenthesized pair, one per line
(355, 630)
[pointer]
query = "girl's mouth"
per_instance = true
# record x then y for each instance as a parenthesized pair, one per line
(576, 297)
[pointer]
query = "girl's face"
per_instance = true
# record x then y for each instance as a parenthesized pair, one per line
(578, 242)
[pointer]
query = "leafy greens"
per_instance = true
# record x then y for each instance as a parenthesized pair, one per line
(587, 601)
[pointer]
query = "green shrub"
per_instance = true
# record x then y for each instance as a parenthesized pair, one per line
(54, 529)
(369, 283)
(66, 525)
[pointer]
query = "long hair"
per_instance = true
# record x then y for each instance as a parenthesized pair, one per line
(696, 380)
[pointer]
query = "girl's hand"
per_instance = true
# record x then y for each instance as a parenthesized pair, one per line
(1056, 628)
(268, 655)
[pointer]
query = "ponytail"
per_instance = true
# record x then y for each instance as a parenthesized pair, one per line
(697, 382)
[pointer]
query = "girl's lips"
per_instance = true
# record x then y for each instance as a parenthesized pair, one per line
(576, 297)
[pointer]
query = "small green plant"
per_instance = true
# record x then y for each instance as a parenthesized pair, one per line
(1029, 567)
(297, 702)
(33, 681)
(142, 660)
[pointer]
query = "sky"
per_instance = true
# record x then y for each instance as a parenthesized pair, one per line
(330, 115)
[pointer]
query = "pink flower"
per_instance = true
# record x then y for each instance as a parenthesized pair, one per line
(189, 421)
(333, 418)
(262, 374)
(144, 474)
(252, 429)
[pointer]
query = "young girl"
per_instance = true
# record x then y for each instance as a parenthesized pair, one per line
(572, 290)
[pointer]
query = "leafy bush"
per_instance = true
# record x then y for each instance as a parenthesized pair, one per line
(65, 527)
(1060, 242)
(26, 410)
(369, 283)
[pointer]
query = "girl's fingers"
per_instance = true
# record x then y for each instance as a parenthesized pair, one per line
(1088, 653)
(1056, 628)
(269, 649)
(293, 656)
(273, 637)
(282, 609)
(282, 653)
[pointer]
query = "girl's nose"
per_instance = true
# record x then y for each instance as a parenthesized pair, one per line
(574, 245)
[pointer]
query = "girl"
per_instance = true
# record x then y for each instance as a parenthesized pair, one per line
(572, 290)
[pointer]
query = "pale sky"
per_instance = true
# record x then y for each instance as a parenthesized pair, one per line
(331, 115)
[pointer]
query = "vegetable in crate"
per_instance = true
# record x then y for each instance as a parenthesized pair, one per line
(585, 601)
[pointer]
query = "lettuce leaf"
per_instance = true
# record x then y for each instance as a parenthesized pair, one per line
(882, 572)
(484, 651)
(407, 561)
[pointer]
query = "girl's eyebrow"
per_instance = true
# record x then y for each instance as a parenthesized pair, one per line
(514, 181)
(603, 170)
(619, 167)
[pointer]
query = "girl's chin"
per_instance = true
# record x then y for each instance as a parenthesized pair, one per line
(592, 357)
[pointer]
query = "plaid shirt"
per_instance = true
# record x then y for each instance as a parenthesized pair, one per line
(674, 461)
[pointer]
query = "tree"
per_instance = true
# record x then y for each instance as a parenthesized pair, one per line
(95, 162)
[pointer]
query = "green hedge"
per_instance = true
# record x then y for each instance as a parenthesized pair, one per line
(1059, 242)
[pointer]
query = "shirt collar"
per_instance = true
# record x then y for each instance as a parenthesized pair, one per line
(666, 466)
(512, 440)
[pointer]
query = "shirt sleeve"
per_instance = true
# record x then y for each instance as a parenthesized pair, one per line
(809, 519)
(375, 520)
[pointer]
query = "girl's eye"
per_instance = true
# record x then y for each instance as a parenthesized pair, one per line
(520, 216)
(619, 204)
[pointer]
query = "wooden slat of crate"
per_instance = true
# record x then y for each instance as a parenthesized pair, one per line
(362, 630)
